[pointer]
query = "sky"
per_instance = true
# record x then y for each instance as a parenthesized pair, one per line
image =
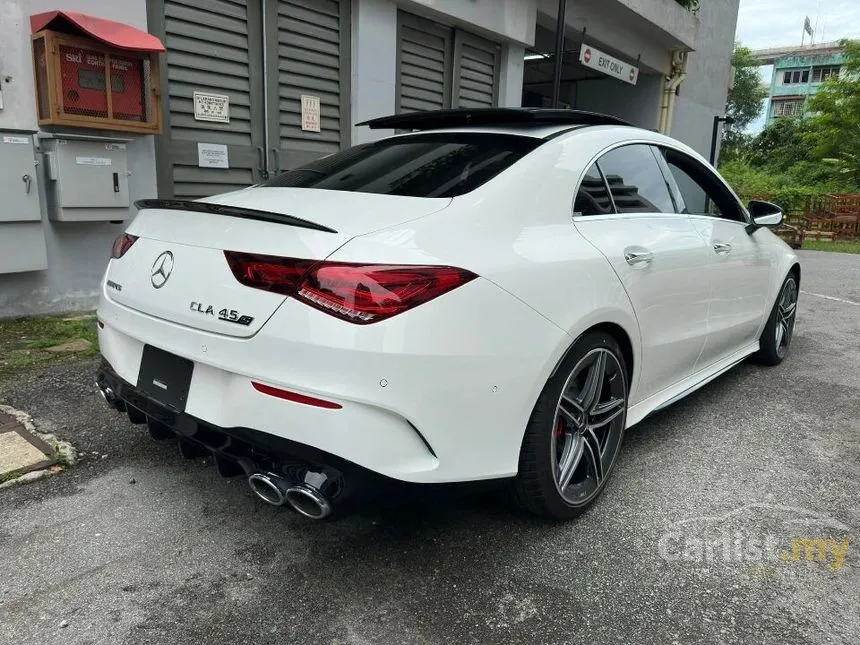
(774, 23)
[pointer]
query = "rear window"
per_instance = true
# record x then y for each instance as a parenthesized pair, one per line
(426, 165)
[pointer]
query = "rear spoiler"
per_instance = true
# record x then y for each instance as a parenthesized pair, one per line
(230, 211)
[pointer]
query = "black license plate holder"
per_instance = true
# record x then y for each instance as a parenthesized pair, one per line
(165, 377)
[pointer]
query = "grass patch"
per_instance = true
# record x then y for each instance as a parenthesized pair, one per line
(841, 246)
(9, 476)
(24, 341)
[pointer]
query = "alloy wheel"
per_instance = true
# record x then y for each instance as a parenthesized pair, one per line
(588, 426)
(785, 311)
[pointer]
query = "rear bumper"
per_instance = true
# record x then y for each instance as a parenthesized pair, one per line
(431, 396)
(248, 449)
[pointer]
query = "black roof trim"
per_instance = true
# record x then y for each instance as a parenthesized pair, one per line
(437, 119)
(230, 211)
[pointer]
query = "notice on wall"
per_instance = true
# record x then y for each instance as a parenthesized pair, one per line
(609, 65)
(211, 107)
(93, 161)
(23, 140)
(212, 155)
(310, 113)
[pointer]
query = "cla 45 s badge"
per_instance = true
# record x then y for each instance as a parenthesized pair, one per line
(227, 315)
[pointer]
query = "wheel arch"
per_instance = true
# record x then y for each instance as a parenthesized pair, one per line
(621, 336)
(795, 269)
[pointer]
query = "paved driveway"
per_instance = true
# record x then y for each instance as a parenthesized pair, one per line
(702, 536)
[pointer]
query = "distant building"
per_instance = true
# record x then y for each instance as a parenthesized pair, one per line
(797, 74)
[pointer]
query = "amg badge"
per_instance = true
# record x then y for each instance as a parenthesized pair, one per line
(227, 315)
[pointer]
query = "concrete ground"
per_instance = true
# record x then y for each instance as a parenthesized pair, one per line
(702, 535)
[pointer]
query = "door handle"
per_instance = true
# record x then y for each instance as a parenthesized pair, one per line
(635, 255)
(28, 180)
(722, 247)
(261, 162)
(276, 160)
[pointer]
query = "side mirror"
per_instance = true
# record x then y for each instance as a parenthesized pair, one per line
(764, 214)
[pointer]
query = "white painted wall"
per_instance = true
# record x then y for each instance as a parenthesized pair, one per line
(703, 93)
(506, 19)
(77, 252)
(374, 65)
(511, 81)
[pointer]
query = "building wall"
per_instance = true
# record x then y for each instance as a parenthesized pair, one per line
(703, 93)
(77, 252)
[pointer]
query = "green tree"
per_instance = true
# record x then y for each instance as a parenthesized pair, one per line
(743, 104)
(744, 100)
(781, 144)
(835, 117)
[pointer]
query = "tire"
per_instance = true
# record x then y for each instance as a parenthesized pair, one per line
(779, 329)
(552, 458)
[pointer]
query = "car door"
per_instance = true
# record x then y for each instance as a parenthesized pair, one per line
(625, 209)
(739, 264)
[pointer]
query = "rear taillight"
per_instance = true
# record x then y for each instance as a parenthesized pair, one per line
(121, 245)
(358, 293)
(268, 272)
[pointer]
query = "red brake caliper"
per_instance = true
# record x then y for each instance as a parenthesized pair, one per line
(559, 429)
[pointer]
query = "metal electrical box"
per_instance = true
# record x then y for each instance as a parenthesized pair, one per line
(87, 179)
(22, 238)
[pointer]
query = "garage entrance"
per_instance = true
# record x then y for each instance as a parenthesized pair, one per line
(249, 62)
(585, 88)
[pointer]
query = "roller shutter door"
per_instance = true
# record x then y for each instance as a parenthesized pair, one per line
(424, 68)
(476, 72)
(264, 55)
(440, 67)
(208, 50)
(312, 58)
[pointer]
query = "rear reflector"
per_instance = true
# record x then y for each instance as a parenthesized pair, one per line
(294, 396)
(358, 293)
(121, 245)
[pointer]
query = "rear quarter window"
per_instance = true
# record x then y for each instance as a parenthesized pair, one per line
(425, 165)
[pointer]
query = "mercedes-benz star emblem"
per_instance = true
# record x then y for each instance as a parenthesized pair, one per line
(161, 269)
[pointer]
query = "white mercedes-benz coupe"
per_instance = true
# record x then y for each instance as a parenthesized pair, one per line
(491, 294)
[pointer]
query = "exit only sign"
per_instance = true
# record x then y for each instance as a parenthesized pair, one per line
(609, 65)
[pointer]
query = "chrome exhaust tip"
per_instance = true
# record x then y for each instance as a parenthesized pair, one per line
(268, 487)
(308, 501)
(110, 397)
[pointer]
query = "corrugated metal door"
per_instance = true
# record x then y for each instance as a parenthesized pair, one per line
(308, 55)
(423, 65)
(476, 71)
(211, 48)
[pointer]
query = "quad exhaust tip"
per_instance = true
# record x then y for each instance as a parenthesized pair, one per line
(303, 498)
(269, 487)
(308, 501)
(110, 396)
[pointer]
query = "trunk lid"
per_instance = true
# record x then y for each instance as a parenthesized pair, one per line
(176, 270)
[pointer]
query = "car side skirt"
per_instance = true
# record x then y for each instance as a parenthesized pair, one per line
(678, 391)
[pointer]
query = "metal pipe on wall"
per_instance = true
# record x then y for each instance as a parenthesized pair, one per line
(559, 53)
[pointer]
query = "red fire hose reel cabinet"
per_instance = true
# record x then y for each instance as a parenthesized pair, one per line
(95, 73)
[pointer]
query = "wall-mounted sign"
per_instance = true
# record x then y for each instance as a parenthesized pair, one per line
(211, 107)
(23, 140)
(93, 161)
(609, 65)
(212, 155)
(310, 113)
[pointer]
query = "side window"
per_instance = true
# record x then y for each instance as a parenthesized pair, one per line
(699, 191)
(592, 198)
(635, 180)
